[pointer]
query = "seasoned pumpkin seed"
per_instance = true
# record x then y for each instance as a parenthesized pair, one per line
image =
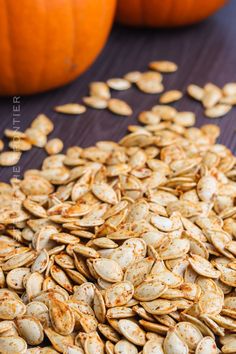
(218, 111)
(9, 158)
(54, 146)
(95, 102)
(118, 84)
(119, 107)
(99, 89)
(163, 66)
(70, 108)
(132, 332)
(170, 96)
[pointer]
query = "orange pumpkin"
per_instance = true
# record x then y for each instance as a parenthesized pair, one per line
(165, 13)
(48, 43)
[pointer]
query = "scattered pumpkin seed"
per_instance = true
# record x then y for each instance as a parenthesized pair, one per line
(195, 92)
(36, 137)
(229, 89)
(20, 145)
(118, 84)
(54, 146)
(95, 102)
(217, 111)
(43, 123)
(119, 107)
(170, 96)
(133, 76)
(70, 108)
(212, 95)
(99, 89)
(163, 66)
(1, 145)
(9, 158)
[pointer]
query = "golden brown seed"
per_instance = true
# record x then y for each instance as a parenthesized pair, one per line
(1, 145)
(54, 146)
(218, 111)
(118, 84)
(119, 107)
(70, 108)
(99, 89)
(36, 137)
(9, 158)
(20, 145)
(185, 119)
(212, 95)
(171, 96)
(95, 102)
(43, 123)
(133, 76)
(12, 134)
(166, 112)
(231, 100)
(163, 66)
(195, 92)
(229, 89)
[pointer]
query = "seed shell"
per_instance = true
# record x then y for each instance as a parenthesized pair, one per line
(9, 158)
(132, 332)
(170, 96)
(163, 66)
(118, 84)
(119, 107)
(70, 108)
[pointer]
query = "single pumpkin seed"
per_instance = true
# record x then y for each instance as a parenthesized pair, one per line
(218, 111)
(132, 332)
(9, 158)
(54, 146)
(124, 346)
(119, 107)
(61, 316)
(30, 329)
(195, 92)
(99, 89)
(20, 145)
(206, 345)
(163, 66)
(119, 294)
(43, 123)
(95, 102)
(170, 96)
(118, 84)
(15, 344)
(108, 270)
(70, 108)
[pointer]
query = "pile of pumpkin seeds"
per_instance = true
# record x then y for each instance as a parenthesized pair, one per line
(125, 247)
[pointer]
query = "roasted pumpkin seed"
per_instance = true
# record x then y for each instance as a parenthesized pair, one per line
(70, 108)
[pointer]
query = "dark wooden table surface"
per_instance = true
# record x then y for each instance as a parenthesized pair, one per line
(204, 52)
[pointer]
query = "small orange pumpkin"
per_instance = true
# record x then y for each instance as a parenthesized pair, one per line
(165, 13)
(48, 43)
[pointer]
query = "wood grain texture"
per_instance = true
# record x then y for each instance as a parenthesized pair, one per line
(204, 52)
